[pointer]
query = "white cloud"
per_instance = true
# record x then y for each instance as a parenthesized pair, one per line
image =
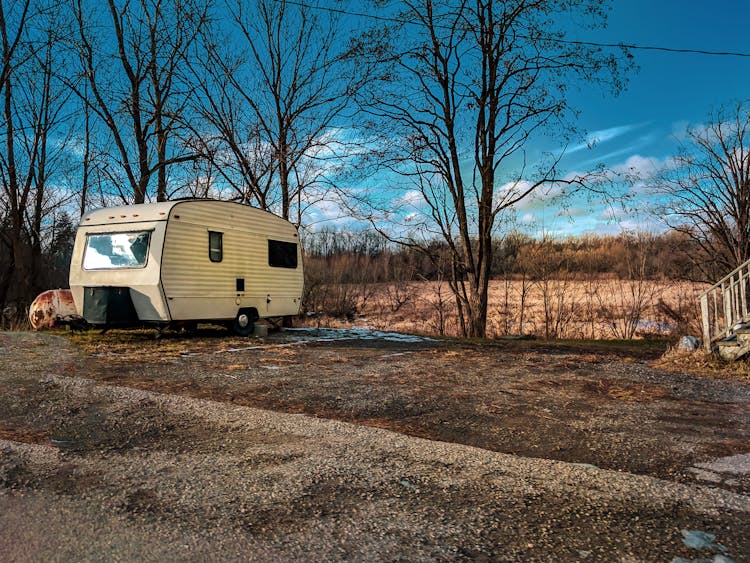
(613, 213)
(509, 191)
(573, 212)
(603, 136)
(640, 224)
(539, 197)
(411, 198)
(330, 209)
(643, 167)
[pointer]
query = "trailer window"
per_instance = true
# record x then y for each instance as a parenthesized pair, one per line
(106, 251)
(282, 254)
(215, 246)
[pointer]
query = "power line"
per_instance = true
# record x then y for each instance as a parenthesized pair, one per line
(634, 46)
(631, 46)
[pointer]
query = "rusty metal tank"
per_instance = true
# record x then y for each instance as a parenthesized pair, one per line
(52, 307)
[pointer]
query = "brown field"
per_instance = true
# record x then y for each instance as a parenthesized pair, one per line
(561, 308)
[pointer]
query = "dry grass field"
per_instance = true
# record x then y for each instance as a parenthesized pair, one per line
(559, 308)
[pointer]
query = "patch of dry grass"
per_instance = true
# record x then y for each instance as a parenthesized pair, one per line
(143, 344)
(631, 393)
(579, 309)
(235, 367)
(702, 364)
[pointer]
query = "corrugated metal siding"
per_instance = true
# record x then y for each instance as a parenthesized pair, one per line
(188, 272)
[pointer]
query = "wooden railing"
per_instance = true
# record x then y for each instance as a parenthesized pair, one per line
(725, 305)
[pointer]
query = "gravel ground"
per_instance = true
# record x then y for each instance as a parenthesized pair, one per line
(91, 471)
(596, 404)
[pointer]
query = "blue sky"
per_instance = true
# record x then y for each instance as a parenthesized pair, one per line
(643, 125)
(638, 129)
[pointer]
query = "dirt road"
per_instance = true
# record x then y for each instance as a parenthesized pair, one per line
(212, 448)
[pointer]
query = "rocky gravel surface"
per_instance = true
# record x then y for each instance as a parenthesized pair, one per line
(92, 471)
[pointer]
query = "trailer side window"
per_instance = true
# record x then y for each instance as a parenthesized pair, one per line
(215, 246)
(282, 254)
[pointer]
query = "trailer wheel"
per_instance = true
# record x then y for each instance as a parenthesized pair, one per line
(244, 323)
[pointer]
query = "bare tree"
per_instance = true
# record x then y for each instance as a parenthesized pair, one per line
(281, 100)
(133, 59)
(551, 280)
(708, 189)
(228, 136)
(623, 302)
(35, 140)
(464, 85)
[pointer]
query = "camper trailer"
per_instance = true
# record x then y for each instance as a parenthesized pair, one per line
(185, 261)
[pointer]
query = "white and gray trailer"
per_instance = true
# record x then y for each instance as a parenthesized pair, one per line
(185, 261)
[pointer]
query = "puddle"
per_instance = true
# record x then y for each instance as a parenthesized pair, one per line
(738, 464)
(696, 539)
(302, 336)
(63, 443)
(335, 334)
(726, 470)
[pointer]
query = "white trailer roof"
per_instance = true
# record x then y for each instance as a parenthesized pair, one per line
(129, 213)
(147, 212)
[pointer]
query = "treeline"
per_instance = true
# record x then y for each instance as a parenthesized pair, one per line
(348, 273)
(345, 272)
(350, 257)
(46, 258)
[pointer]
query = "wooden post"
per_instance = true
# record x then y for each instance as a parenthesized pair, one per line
(706, 321)
(745, 296)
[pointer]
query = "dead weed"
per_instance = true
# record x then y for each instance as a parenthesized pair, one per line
(234, 367)
(142, 345)
(702, 364)
(629, 393)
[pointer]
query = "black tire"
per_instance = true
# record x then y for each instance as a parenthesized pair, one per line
(243, 324)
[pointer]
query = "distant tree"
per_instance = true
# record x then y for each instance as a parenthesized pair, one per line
(707, 186)
(59, 250)
(13, 26)
(35, 140)
(463, 85)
